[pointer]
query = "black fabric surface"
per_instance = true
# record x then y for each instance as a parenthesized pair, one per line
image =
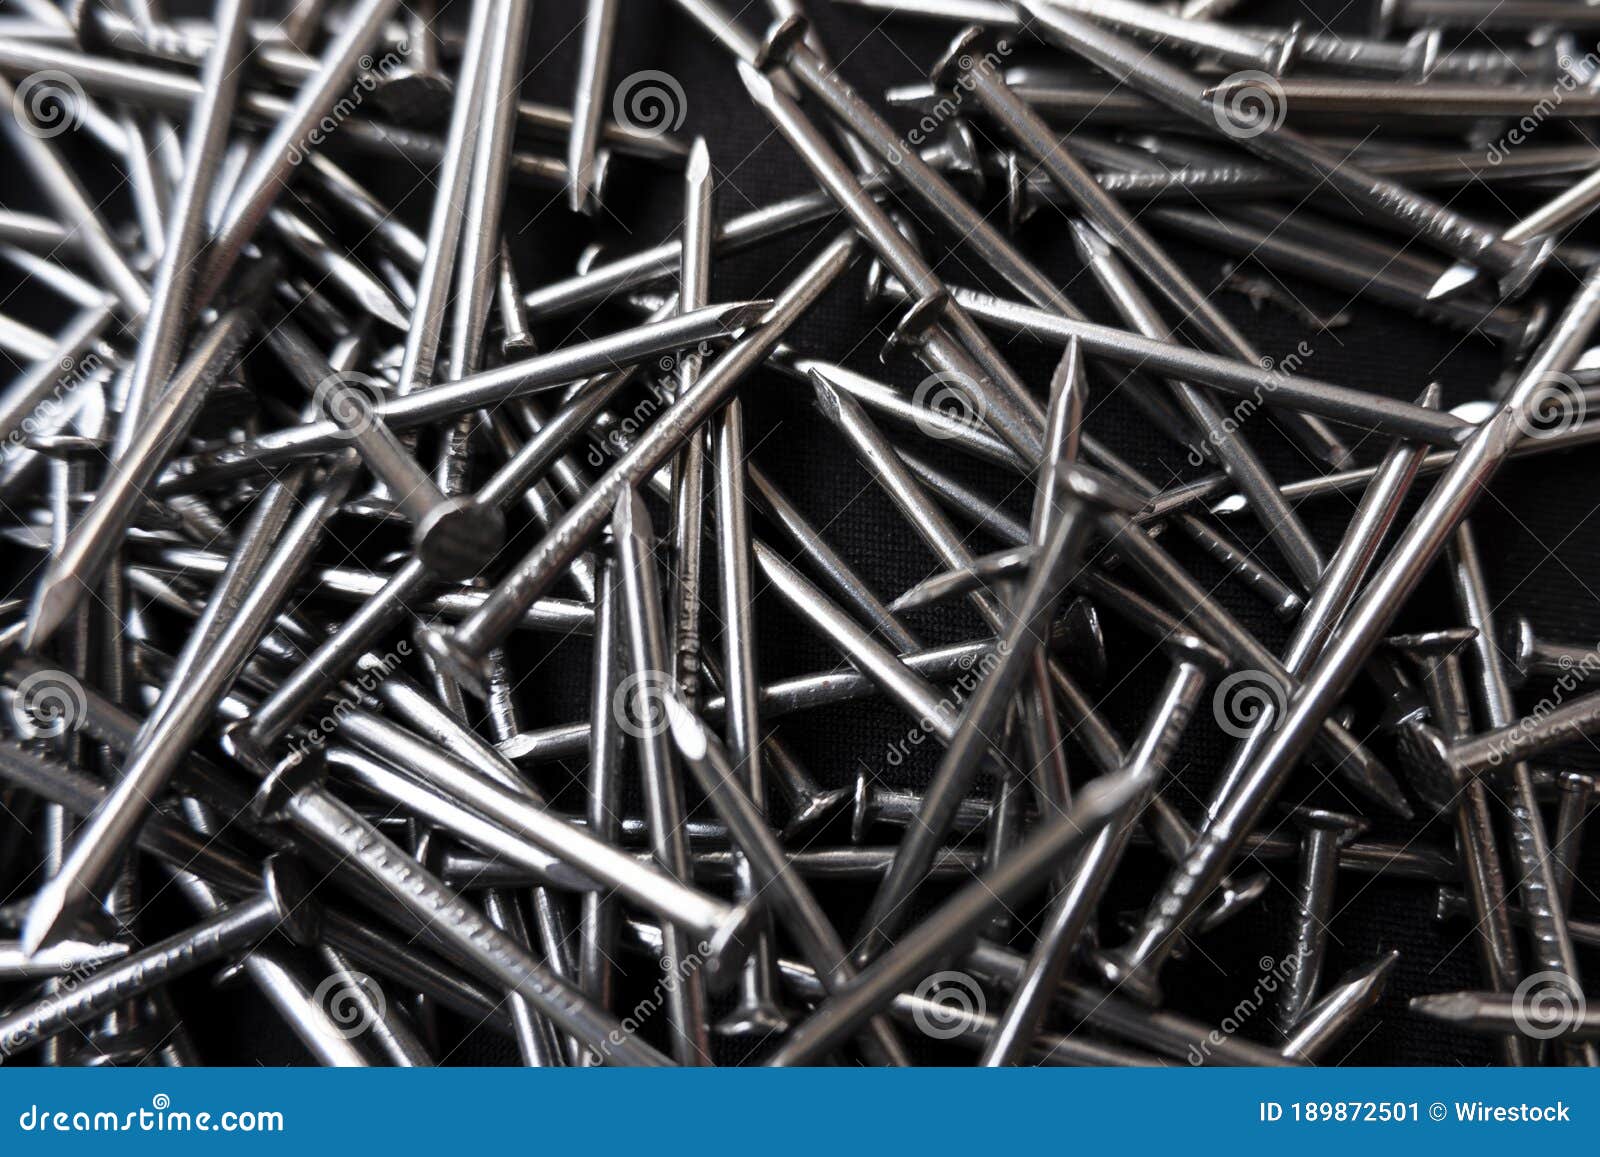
(1536, 525)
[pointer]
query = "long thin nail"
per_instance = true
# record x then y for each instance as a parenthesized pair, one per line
(1007, 407)
(1356, 408)
(640, 695)
(79, 566)
(267, 175)
(462, 650)
(981, 717)
(433, 404)
(1530, 843)
(1328, 678)
(594, 60)
(959, 919)
(209, 127)
(342, 831)
(1113, 222)
(88, 232)
(281, 905)
(1282, 525)
(1498, 1012)
(1070, 912)
(107, 835)
(1514, 265)
(769, 866)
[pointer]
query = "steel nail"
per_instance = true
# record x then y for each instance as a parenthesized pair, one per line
(970, 739)
(1530, 654)
(1513, 14)
(281, 904)
(462, 650)
(342, 831)
(210, 124)
(81, 563)
(1340, 262)
(1332, 1016)
(1495, 1013)
(1282, 525)
(1352, 407)
(1514, 265)
(1530, 846)
(277, 976)
(958, 921)
(1437, 656)
(67, 956)
(267, 175)
(1450, 905)
(639, 697)
(769, 867)
(1069, 915)
(1007, 407)
(164, 739)
(1327, 678)
(786, 54)
(546, 371)
(88, 232)
(1323, 833)
(594, 60)
(462, 774)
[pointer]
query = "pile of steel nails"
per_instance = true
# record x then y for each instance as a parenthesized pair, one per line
(217, 692)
